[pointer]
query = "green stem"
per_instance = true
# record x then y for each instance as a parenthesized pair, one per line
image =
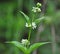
(30, 29)
(29, 34)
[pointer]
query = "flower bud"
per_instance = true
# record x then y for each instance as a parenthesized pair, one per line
(38, 4)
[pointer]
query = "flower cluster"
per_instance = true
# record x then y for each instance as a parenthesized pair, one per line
(37, 8)
(25, 42)
(33, 25)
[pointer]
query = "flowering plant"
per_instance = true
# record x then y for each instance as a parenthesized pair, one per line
(25, 45)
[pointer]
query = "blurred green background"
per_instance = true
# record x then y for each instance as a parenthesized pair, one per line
(12, 25)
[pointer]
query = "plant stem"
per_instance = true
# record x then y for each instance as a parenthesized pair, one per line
(30, 29)
(29, 34)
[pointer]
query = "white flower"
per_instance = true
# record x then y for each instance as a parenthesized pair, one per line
(25, 42)
(28, 25)
(36, 9)
(33, 25)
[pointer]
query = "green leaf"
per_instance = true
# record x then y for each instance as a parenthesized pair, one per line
(39, 20)
(35, 46)
(26, 17)
(18, 45)
(48, 20)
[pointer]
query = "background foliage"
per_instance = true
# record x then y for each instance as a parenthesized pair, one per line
(12, 25)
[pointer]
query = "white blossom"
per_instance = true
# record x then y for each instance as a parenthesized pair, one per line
(33, 25)
(25, 42)
(28, 25)
(36, 9)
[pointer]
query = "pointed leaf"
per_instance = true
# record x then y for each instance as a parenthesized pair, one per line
(39, 20)
(35, 46)
(18, 45)
(26, 17)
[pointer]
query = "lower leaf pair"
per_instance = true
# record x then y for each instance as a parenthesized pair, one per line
(24, 49)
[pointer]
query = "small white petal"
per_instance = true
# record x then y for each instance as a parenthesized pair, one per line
(26, 25)
(33, 25)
